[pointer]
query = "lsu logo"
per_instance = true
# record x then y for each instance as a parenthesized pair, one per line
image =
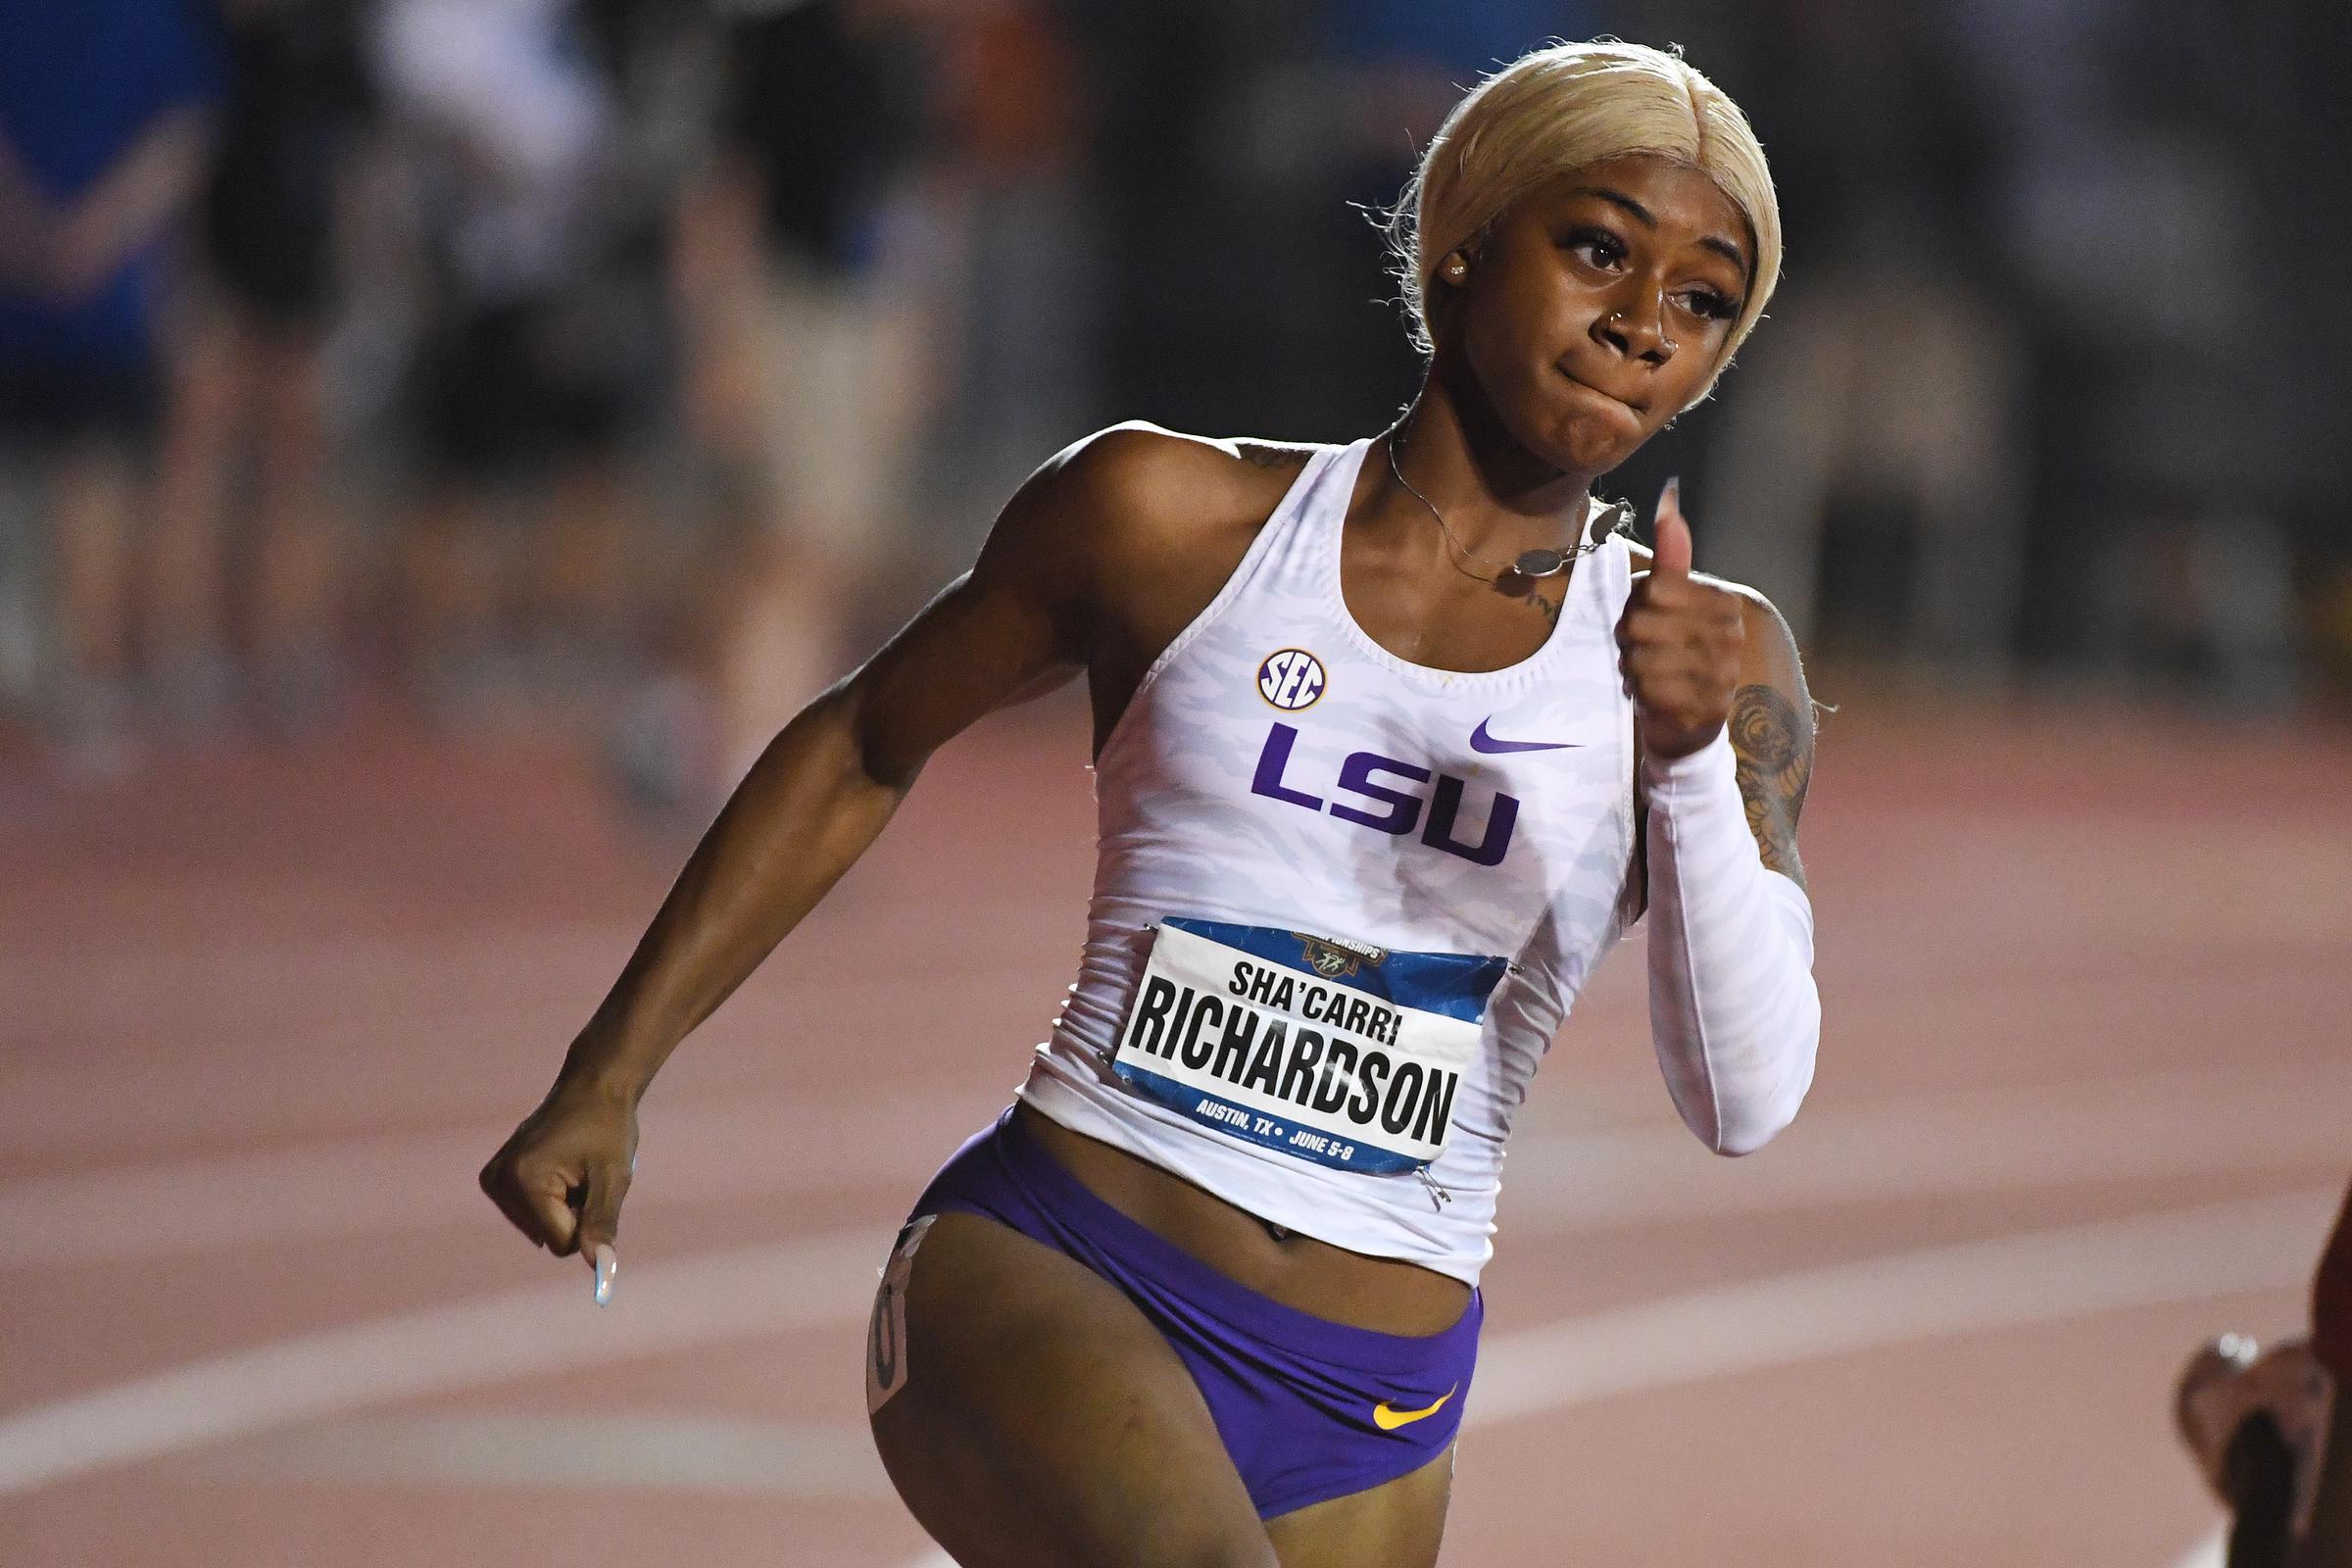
(1290, 679)
(1382, 805)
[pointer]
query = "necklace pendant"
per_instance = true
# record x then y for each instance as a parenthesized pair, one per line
(1540, 562)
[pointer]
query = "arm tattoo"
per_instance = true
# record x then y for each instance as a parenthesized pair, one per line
(1773, 749)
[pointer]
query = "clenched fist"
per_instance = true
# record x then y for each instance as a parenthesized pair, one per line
(1678, 643)
(562, 1174)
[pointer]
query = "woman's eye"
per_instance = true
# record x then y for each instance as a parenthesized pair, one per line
(1596, 246)
(1709, 304)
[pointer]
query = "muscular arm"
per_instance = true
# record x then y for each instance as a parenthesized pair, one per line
(1014, 625)
(2329, 1545)
(1726, 724)
(1097, 561)
(1030, 614)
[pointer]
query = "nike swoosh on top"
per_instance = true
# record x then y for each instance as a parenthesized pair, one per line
(1388, 1418)
(1481, 741)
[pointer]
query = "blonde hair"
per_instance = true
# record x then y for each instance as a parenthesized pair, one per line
(1562, 107)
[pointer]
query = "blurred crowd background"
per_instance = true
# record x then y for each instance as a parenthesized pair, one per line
(622, 368)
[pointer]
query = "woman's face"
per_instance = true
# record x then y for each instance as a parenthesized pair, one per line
(1599, 306)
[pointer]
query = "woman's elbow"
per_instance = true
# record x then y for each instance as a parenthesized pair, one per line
(1744, 1123)
(1751, 1129)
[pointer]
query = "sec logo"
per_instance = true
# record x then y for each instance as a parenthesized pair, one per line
(1290, 679)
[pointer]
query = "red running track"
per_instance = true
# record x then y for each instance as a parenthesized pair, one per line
(2085, 1085)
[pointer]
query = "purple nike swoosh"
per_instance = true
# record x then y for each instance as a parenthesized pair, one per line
(1481, 741)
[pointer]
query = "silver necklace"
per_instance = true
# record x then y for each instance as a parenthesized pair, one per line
(1531, 562)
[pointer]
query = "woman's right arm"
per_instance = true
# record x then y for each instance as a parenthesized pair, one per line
(1020, 622)
(2329, 1543)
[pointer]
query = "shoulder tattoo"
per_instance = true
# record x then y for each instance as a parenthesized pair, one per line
(1774, 750)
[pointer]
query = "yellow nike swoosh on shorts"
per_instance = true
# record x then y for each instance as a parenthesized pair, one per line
(1388, 1418)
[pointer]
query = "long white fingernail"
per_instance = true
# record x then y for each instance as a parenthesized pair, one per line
(608, 1264)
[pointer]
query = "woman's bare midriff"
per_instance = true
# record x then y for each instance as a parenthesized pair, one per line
(1310, 1276)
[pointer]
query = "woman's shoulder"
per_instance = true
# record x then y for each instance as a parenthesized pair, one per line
(1146, 524)
(1151, 478)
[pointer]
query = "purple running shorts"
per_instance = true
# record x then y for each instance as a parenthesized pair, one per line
(1308, 1410)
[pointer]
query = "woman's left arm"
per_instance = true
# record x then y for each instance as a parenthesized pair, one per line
(1727, 752)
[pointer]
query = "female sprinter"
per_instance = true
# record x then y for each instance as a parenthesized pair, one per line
(1393, 741)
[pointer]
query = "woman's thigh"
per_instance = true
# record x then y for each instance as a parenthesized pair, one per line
(1396, 1524)
(1035, 1418)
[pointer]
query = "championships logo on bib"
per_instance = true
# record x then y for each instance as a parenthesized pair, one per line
(1334, 959)
(1290, 679)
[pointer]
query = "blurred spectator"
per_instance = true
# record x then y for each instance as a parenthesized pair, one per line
(1178, 287)
(2120, 213)
(536, 352)
(1869, 470)
(1873, 475)
(247, 407)
(1014, 269)
(103, 124)
(806, 349)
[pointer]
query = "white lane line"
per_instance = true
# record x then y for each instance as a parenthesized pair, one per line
(664, 1307)
(689, 1453)
(2040, 1277)
(1558, 1183)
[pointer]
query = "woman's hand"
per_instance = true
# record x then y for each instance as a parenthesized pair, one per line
(562, 1175)
(1678, 643)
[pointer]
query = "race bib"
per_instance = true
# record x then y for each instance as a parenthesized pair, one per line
(1329, 1050)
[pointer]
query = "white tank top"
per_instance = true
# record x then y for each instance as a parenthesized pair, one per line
(1319, 816)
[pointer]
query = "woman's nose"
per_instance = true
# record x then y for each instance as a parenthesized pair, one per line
(1636, 327)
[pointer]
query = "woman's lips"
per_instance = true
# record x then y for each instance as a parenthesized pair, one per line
(1602, 392)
